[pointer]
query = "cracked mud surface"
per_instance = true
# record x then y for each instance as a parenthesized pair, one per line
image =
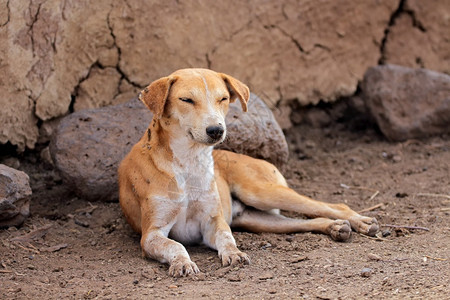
(103, 257)
(62, 57)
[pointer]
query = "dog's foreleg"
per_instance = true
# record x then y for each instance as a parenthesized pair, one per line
(217, 235)
(158, 246)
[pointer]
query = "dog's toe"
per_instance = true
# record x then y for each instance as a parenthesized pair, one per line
(340, 230)
(365, 225)
(182, 268)
(235, 258)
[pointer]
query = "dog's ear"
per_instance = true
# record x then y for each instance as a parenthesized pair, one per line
(237, 90)
(155, 95)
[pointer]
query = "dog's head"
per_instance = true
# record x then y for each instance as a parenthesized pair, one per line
(195, 101)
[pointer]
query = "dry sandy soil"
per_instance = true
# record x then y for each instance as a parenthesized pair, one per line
(100, 256)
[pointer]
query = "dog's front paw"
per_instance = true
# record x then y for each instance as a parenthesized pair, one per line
(233, 258)
(340, 230)
(183, 267)
(365, 225)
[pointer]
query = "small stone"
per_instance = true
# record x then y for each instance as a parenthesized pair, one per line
(222, 271)
(81, 223)
(135, 281)
(366, 272)
(310, 144)
(386, 233)
(172, 286)
(401, 195)
(200, 277)
(12, 162)
(234, 277)
(373, 256)
(265, 245)
(397, 158)
(31, 267)
(44, 279)
(299, 259)
(265, 276)
(289, 239)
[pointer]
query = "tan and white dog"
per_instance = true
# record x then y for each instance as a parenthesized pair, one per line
(175, 189)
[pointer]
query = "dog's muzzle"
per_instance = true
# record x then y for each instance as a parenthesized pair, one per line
(215, 132)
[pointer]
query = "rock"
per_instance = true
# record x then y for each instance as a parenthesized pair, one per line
(15, 195)
(234, 277)
(107, 135)
(373, 256)
(366, 272)
(12, 162)
(89, 145)
(265, 276)
(408, 103)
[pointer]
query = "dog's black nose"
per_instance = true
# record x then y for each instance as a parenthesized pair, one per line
(215, 132)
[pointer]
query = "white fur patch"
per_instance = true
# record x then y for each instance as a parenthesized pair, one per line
(193, 167)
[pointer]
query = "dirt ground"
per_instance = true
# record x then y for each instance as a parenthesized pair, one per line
(99, 256)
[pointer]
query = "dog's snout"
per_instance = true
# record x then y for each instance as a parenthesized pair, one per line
(215, 132)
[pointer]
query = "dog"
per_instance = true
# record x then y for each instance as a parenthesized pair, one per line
(176, 189)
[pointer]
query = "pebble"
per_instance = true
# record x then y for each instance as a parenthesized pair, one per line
(299, 259)
(81, 223)
(310, 144)
(386, 233)
(172, 286)
(12, 162)
(366, 272)
(373, 256)
(265, 276)
(222, 271)
(265, 245)
(234, 277)
(200, 277)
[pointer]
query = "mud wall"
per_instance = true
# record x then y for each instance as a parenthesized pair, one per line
(60, 56)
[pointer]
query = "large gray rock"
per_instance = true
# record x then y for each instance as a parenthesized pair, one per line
(89, 145)
(15, 195)
(408, 103)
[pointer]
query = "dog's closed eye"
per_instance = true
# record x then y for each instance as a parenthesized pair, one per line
(224, 99)
(187, 100)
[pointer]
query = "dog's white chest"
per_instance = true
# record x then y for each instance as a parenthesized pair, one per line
(194, 177)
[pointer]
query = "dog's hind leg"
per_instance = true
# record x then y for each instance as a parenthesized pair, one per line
(269, 196)
(260, 221)
(259, 184)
